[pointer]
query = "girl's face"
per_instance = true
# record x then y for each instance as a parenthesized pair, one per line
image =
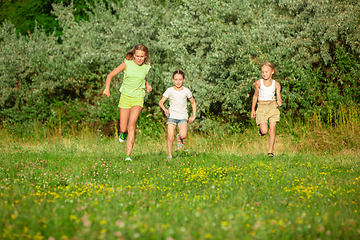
(267, 72)
(139, 57)
(178, 80)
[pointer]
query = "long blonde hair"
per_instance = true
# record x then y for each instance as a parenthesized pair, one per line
(269, 64)
(130, 54)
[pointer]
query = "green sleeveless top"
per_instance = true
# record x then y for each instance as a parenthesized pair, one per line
(133, 84)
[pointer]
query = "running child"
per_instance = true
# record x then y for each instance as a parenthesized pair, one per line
(177, 113)
(135, 66)
(267, 109)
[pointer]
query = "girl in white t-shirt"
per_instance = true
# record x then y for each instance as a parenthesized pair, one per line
(177, 113)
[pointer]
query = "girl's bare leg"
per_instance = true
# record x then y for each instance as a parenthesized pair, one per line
(124, 119)
(272, 136)
(170, 139)
(264, 128)
(182, 130)
(133, 117)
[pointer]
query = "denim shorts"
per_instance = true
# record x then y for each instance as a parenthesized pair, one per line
(176, 121)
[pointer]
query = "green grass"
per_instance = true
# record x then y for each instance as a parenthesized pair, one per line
(224, 188)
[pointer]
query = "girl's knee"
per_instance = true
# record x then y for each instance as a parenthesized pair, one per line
(272, 131)
(131, 128)
(170, 138)
(264, 130)
(183, 135)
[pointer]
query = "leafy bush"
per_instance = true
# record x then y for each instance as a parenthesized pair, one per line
(219, 44)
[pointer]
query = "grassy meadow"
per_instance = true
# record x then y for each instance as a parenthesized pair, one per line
(220, 187)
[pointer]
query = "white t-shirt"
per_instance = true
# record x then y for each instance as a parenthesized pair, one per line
(178, 102)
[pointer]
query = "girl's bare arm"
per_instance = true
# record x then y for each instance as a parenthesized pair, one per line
(255, 98)
(193, 105)
(278, 94)
(109, 77)
(161, 104)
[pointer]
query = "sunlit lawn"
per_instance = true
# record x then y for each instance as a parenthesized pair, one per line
(74, 193)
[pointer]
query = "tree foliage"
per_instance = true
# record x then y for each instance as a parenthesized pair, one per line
(219, 44)
(26, 14)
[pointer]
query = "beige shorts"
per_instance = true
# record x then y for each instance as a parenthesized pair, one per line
(267, 112)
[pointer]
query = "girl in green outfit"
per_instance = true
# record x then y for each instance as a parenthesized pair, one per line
(136, 66)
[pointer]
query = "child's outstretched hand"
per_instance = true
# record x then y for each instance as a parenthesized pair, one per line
(148, 88)
(166, 111)
(106, 92)
(191, 119)
(252, 114)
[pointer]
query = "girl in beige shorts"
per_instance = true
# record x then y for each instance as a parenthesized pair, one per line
(268, 108)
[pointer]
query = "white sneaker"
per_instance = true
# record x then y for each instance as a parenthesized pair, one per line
(122, 137)
(128, 159)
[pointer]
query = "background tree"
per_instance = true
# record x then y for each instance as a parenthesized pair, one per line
(25, 14)
(219, 44)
